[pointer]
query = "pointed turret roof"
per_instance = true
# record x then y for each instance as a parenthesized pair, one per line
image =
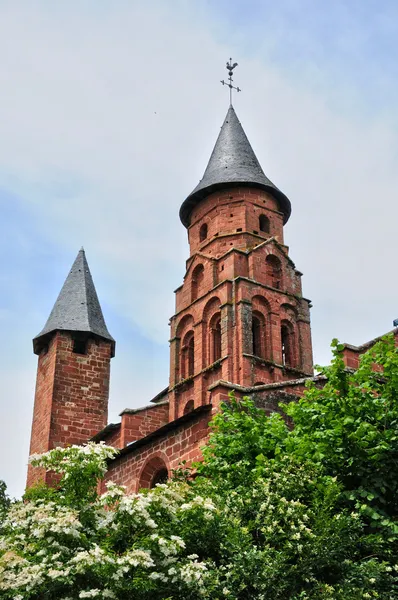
(232, 163)
(77, 307)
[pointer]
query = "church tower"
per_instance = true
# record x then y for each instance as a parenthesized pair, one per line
(240, 315)
(72, 386)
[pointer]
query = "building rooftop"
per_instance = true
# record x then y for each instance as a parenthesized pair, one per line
(77, 307)
(232, 163)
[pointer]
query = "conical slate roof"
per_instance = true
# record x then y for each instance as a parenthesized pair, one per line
(232, 163)
(77, 307)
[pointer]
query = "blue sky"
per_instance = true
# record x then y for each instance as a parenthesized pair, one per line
(109, 113)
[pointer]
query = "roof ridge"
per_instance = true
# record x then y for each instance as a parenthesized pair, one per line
(86, 282)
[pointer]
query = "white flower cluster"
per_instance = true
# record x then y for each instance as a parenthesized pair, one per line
(203, 503)
(107, 542)
(283, 519)
(60, 460)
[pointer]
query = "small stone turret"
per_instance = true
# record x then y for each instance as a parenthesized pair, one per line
(72, 386)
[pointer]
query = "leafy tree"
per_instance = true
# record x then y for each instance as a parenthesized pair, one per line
(308, 512)
(4, 500)
(320, 500)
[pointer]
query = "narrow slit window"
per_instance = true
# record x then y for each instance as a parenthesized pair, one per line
(256, 336)
(191, 357)
(264, 224)
(216, 334)
(287, 346)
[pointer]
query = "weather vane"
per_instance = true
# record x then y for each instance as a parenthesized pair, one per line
(230, 69)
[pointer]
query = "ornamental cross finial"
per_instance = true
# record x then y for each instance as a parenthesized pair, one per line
(230, 69)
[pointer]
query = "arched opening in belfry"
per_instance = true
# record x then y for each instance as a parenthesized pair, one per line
(197, 281)
(190, 405)
(203, 232)
(191, 356)
(215, 338)
(274, 271)
(258, 336)
(287, 338)
(188, 355)
(264, 224)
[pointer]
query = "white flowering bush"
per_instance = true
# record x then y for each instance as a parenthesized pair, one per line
(73, 543)
(276, 513)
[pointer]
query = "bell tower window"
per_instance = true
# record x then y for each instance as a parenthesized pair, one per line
(79, 346)
(257, 336)
(274, 271)
(197, 281)
(216, 340)
(203, 232)
(287, 338)
(191, 356)
(188, 356)
(189, 407)
(264, 224)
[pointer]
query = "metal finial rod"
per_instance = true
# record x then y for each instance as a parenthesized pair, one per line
(230, 69)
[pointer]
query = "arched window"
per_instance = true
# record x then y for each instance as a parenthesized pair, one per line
(155, 471)
(191, 356)
(188, 355)
(264, 224)
(189, 407)
(197, 281)
(287, 337)
(203, 232)
(216, 340)
(257, 336)
(274, 271)
(160, 477)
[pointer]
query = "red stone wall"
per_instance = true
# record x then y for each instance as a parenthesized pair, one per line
(111, 438)
(71, 401)
(41, 423)
(225, 212)
(136, 468)
(351, 357)
(139, 423)
(352, 354)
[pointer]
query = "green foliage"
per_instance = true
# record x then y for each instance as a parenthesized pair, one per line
(4, 500)
(278, 513)
(350, 429)
(331, 482)
(41, 491)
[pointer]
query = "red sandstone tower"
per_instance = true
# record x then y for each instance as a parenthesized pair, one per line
(241, 323)
(75, 350)
(240, 315)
